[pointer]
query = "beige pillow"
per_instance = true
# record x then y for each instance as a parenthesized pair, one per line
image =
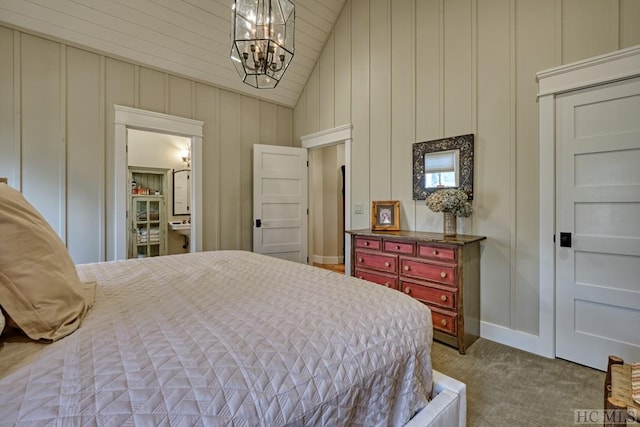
(2, 322)
(39, 285)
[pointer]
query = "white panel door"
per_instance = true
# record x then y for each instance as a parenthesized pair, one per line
(598, 202)
(280, 202)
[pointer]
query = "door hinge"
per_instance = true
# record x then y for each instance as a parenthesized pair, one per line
(307, 211)
(554, 238)
(307, 259)
(307, 163)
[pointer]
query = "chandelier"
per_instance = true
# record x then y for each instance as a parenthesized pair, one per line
(262, 40)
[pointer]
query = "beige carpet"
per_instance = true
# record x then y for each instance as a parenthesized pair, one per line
(510, 387)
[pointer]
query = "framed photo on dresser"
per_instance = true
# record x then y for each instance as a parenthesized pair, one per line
(385, 215)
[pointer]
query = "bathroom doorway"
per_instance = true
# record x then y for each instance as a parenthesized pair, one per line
(127, 119)
(158, 205)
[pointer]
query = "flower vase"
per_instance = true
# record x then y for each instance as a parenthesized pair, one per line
(449, 223)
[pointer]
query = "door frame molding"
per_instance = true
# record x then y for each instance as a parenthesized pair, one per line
(615, 66)
(327, 138)
(134, 118)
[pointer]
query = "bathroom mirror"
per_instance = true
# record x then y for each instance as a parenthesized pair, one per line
(181, 193)
(443, 163)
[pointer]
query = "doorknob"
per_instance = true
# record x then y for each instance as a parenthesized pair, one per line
(565, 240)
(258, 223)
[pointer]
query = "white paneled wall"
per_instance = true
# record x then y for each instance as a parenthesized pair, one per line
(57, 138)
(407, 71)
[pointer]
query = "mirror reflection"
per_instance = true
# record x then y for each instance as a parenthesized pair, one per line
(441, 169)
(181, 193)
(443, 163)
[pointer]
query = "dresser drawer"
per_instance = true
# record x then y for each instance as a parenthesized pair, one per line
(389, 282)
(403, 248)
(362, 242)
(437, 295)
(437, 252)
(382, 262)
(444, 321)
(428, 271)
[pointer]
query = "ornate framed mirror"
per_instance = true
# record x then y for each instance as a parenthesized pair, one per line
(443, 163)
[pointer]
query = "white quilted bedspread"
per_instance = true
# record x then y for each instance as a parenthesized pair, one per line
(228, 338)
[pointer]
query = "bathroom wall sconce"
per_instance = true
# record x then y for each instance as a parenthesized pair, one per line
(186, 157)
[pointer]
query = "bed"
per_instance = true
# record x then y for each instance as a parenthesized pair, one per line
(228, 338)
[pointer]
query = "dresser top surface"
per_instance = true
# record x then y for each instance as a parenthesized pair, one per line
(460, 239)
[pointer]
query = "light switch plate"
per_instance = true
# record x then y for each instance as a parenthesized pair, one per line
(358, 208)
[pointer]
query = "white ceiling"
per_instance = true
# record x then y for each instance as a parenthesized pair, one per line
(190, 38)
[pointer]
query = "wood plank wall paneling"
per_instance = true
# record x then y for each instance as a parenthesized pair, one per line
(42, 143)
(230, 189)
(429, 92)
(249, 134)
(360, 117)
(379, 100)
(152, 90)
(494, 148)
(460, 66)
(206, 109)
(120, 89)
(65, 114)
(312, 122)
(629, 28)
(457, 67)
(403, 105)
(589, 28)
(85, 157)
(7, 134)
(284, 127)
(180, 102)
(342, 70)
(326, 75)
(535, 40)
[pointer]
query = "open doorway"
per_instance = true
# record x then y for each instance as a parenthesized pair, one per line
(158, 206)
(127, 119)
(326, 206)
(340, 135)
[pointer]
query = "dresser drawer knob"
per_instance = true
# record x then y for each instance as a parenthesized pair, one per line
(443, 298)
(360, 260)
(407, 290)
(386, 264)
(366, 243)
(407, 268)
(397, 247)
(443, 322)
(443, 274)
(435, 252)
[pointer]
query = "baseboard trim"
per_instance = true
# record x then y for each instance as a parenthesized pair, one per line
(512, 338)
(319, 259)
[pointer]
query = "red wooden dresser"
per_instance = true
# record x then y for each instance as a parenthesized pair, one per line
(441, 272)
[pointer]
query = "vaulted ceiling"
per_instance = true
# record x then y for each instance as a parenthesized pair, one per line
(190, 38)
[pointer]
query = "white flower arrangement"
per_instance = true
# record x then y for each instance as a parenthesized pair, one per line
(450, 200)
